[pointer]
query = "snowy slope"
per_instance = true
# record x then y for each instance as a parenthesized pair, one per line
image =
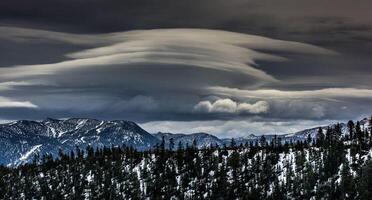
(21, 141)
(313, 131)
(297, 136)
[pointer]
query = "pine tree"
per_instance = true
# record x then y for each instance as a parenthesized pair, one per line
(232, 143)
(365, 183)
(351, 127)
(359, 133)
(347, 184)
(320, 137)
(309, 139)
(171, 144)
(263, 141)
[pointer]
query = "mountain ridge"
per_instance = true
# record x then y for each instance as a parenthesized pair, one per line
(21, 140)
(201, 139)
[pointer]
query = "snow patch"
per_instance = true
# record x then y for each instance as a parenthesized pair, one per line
(27, 154)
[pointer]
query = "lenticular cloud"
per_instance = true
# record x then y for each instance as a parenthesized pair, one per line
(198, 48)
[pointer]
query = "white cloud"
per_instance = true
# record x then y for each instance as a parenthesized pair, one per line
(219, 106)
(230, 106)
(11, 84)
(5, 121)
(203, 107)
(256, 108)
(9, 103)
(326, 94)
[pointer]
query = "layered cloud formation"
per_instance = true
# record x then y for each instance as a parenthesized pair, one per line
(167, 75)
(216, 50)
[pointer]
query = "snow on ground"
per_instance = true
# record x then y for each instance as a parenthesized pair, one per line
(99, 128)
(81, 123)
(28, 154)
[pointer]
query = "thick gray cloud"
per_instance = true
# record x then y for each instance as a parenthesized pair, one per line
(83, 59)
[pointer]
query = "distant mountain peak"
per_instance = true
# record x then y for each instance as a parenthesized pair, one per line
(20, 141)
(202, 139)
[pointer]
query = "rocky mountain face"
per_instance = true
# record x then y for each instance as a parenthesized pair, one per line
(20, 141)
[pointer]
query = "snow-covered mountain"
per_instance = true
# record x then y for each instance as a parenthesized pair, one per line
(297, 136)
(202, 139)
(301, 135)
(20, 141)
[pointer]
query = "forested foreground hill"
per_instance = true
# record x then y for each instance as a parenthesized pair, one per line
(332, 166)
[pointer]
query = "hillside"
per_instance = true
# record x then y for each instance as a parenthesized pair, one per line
(334, 167)
(20, 141)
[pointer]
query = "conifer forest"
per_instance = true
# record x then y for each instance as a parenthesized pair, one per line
(330, 166)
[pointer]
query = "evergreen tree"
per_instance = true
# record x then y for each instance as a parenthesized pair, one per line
(171, 144)
(320, 137)
(263, 141)
(347, 184)
(351, 127)
(365, 183)
(232, 143)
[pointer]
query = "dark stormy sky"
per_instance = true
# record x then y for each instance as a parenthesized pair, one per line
(230, 68)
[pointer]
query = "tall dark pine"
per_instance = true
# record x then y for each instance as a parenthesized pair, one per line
(320, 137)
(351, 127)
